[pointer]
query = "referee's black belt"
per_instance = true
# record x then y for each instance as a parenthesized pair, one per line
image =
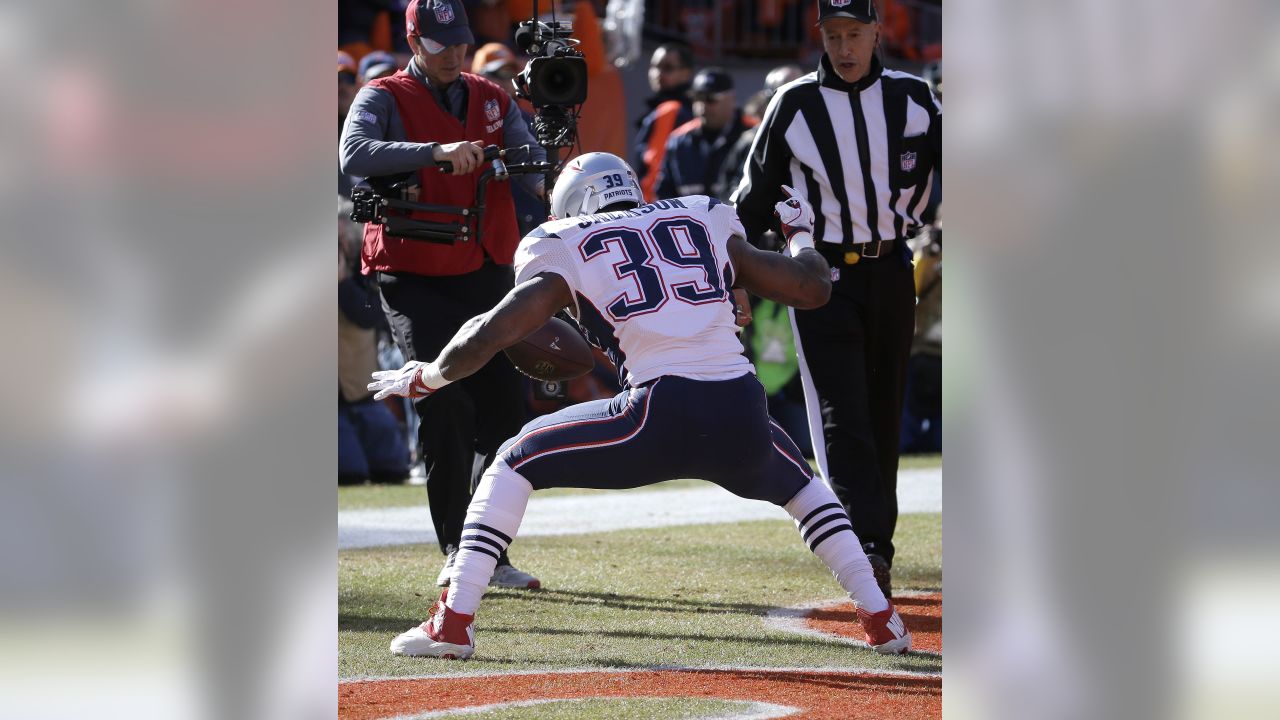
(839, 254)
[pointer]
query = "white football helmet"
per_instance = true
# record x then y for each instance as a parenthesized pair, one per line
(593, 181)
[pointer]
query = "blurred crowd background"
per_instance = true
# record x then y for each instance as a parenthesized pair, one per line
(646, 57)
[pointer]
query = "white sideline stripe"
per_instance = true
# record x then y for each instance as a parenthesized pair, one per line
(849, 670)
(792, 620)
(919, 491)
(752, 711)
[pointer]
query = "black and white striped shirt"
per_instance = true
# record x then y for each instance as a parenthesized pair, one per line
(861, 153)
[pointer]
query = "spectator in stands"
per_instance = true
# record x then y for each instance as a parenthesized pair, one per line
(371, 444)
(346, 85)
(697, 149)
(922, 407)
(736, 160)
(897, 31)
(368, 25)
(670, 74)
(376, 64)
(498, 63)
(932, 74)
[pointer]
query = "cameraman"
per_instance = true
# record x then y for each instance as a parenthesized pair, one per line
(425, 114)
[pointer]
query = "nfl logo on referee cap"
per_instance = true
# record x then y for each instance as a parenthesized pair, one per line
(863, 11)
(908, 161)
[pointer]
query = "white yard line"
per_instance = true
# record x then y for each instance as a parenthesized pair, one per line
(750, 710)
(844, 670)
(919, 491)
(793, 620)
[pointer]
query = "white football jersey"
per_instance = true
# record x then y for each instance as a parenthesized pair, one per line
(651, 286)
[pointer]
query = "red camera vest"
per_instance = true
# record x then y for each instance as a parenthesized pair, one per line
(425, 121)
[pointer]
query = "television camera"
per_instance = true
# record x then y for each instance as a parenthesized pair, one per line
(554, 81)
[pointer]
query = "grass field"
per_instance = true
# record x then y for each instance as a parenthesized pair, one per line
(692, 596)
(376, 496)
(686, 596)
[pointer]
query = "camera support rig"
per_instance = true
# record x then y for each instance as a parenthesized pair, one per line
(371, 206)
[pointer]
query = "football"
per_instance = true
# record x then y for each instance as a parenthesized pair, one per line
(555, 351)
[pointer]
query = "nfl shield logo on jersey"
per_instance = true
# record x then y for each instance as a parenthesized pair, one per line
(444, 12)
(908, 161)
(491, 111)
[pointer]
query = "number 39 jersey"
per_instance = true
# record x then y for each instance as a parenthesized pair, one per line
(652, 286)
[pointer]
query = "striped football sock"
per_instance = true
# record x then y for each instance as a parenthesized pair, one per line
(492, 521)
(826, 529)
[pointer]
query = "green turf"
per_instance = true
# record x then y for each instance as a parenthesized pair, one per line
(693, 595)
(916, 462)
(611, 709)
(378, 496)
(356, 497)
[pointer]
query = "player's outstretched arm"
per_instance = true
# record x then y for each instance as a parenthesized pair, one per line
(525, 309)
(803, 281)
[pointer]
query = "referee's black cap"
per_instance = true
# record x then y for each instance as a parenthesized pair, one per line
(860, 10)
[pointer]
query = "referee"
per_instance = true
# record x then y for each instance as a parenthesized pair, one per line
(859, 142)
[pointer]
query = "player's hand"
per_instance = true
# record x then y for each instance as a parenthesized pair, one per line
(794, 213)
(742, 307)
(405, 382)
(465, 156)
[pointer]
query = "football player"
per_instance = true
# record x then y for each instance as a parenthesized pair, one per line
(650, 285)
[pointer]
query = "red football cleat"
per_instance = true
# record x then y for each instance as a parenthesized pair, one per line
(446, 634)
(886, 633)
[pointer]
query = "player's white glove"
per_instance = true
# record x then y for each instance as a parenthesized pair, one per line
(796, 217)
(415, 380)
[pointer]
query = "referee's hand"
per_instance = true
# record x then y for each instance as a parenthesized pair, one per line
(464, 156)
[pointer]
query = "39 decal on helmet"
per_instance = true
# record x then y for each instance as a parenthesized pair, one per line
(593, 181)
